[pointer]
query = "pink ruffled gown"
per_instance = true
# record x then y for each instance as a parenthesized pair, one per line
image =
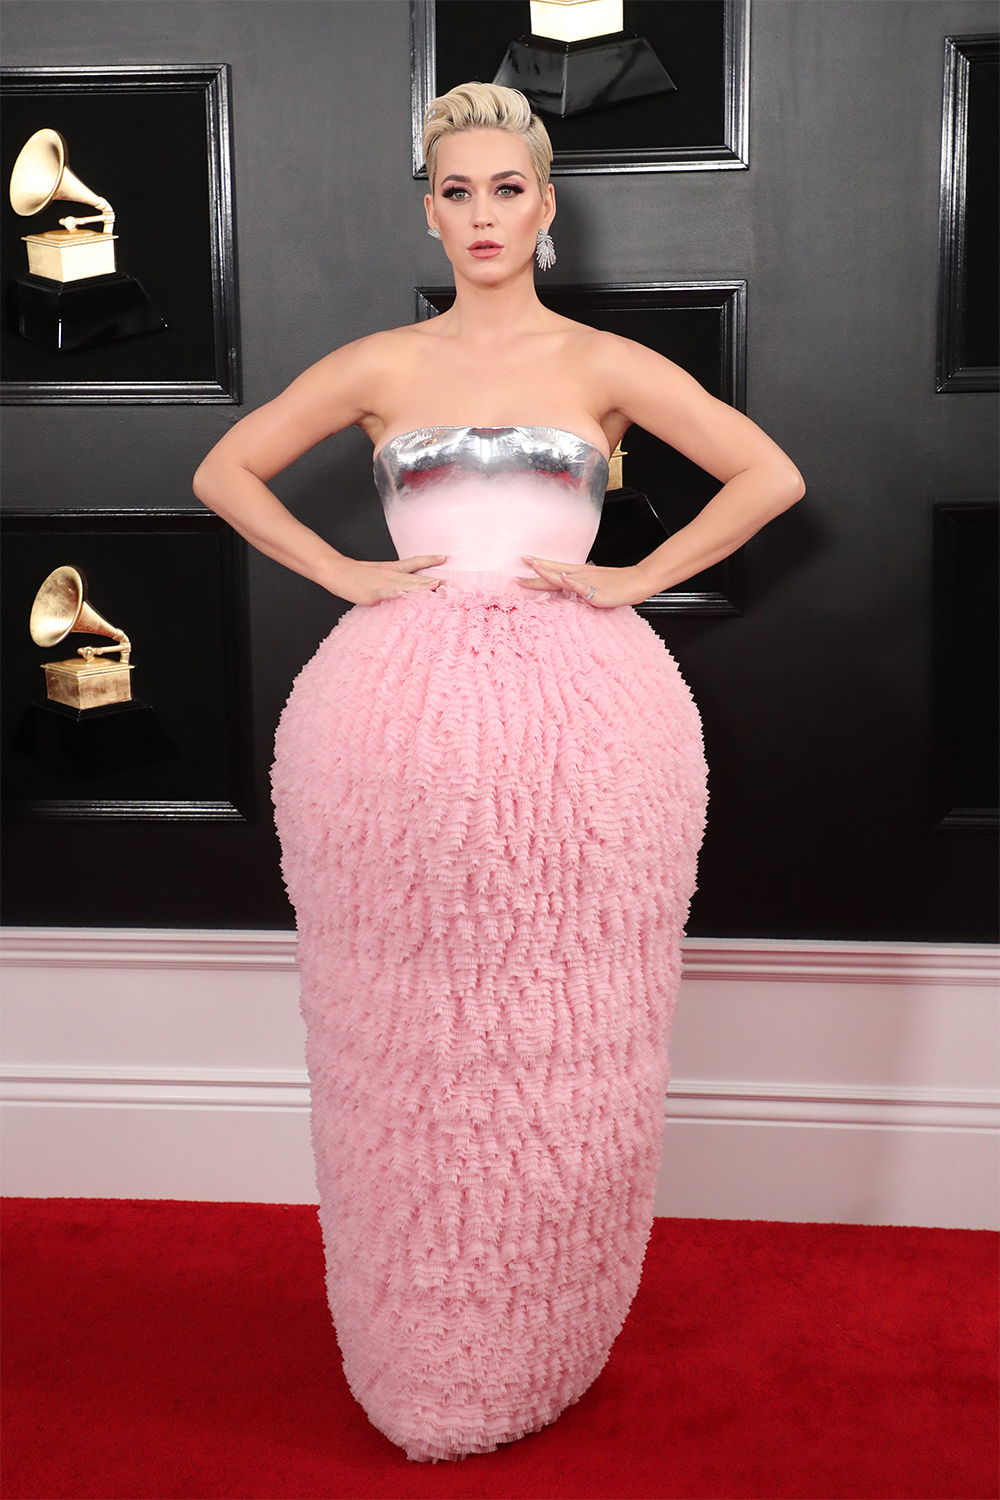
(490, 803)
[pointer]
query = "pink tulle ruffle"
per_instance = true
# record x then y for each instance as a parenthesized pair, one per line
(490, 804)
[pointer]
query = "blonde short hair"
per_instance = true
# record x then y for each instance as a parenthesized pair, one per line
(486, 106)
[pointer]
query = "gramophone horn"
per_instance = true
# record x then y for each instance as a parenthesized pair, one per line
(41, 174)
(61, 607)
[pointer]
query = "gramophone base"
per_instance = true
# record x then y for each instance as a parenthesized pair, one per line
(93, 741)
(75, 314)
(630, 530)
(566, 78)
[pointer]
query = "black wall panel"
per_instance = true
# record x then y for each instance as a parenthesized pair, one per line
(817, 703)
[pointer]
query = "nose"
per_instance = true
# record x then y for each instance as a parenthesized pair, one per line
(482, 217)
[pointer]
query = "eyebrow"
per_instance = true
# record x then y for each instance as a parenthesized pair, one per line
(459, 177)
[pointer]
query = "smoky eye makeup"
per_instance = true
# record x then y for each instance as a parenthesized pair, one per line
(506, 189)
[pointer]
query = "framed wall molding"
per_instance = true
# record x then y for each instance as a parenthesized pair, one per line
(703, 126)
(175, 582)
(968, 347)
(966, 664)
(701, 325)
(156, 141)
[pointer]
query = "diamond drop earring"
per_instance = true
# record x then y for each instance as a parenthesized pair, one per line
(435, 234)
(545, 250)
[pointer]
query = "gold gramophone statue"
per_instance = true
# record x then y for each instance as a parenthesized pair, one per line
(73, 295)
(85, 680)
(89, 723)
(630, 528)
(615, 472)
(579, 57)
(41, 173)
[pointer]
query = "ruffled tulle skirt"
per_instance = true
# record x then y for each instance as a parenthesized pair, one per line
(490, 807)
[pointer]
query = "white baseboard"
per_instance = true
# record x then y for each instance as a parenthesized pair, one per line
(812, 1081)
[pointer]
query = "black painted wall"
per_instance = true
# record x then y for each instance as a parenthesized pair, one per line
(816, 703)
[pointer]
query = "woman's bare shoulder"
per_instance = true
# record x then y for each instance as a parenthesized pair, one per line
(354, 374)
(620, 366)
(598, 349)
(366, 353)
(598, 343)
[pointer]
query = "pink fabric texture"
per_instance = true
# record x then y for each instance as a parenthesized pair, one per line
(490, 805)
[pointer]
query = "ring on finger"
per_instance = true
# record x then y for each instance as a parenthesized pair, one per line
(593, 591)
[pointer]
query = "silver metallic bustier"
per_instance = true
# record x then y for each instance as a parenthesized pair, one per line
(485, 496)
(487, 452)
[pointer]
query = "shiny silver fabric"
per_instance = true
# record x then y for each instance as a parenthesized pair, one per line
(406, 461)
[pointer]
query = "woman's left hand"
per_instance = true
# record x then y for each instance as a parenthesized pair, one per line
(604, 588)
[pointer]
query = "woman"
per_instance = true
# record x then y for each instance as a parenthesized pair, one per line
(490, 793)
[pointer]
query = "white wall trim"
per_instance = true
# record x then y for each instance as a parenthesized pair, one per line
(782, 1104)
(148, 948)
(687, 1098)
(793, 960)
(159, 1088)
(739, 959)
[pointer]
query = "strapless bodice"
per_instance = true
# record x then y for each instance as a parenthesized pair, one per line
(485, 496)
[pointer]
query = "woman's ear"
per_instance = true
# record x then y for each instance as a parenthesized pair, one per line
(550, 204)
(429, 210)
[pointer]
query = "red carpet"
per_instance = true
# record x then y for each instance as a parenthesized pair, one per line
(184, 1350)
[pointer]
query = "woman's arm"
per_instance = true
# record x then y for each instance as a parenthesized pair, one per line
(759, 480)
(232, 479)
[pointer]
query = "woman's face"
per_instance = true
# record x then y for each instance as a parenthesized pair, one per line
(486, 204)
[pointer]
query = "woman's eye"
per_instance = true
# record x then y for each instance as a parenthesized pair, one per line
(506, 189)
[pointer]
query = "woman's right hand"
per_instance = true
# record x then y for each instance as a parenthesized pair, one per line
(371, 582)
